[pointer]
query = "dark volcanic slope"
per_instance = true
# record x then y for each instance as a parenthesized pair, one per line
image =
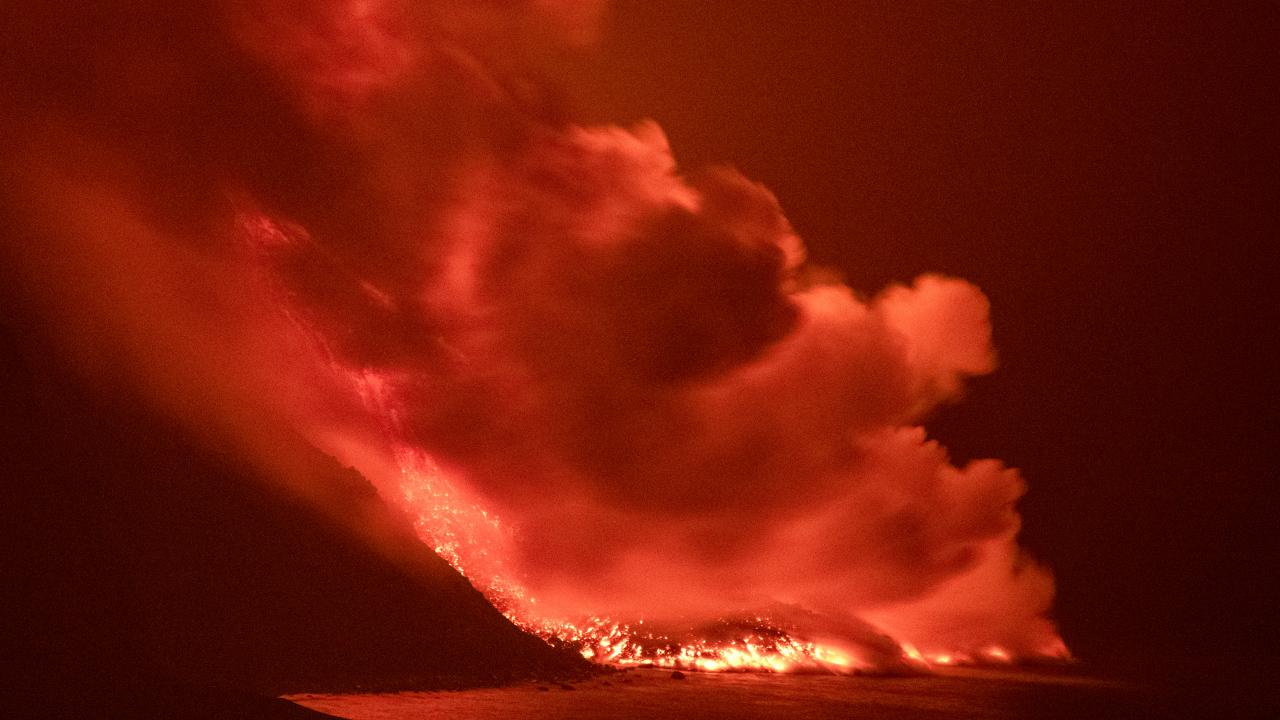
(133, 551)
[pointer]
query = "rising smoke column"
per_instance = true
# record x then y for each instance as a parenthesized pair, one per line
(632, 366)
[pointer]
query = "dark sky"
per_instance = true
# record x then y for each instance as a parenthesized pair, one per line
(1105, 176)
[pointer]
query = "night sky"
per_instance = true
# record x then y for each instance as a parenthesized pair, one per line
(1105, 175)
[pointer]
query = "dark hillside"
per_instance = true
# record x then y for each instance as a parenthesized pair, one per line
(134, 552)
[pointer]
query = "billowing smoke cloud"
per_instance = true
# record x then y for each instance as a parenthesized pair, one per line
(632, 366)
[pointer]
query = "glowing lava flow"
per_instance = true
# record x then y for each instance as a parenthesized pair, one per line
(761, 649)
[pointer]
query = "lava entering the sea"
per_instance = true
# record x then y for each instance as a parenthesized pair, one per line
(727, 635)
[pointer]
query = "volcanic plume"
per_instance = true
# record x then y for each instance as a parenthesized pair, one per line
(605, 385)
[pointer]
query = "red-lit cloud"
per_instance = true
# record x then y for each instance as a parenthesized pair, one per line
(633, 367)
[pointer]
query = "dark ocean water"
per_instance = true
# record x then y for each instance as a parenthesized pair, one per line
(640, 694)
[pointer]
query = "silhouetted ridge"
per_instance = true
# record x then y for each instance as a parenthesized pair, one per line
(132, 550)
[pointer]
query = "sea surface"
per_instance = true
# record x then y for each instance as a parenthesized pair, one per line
(958, 694)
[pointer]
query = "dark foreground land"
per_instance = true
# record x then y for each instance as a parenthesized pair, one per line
(639, 694)
(148, 571)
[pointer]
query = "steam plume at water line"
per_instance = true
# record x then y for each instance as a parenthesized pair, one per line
(634, 368)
